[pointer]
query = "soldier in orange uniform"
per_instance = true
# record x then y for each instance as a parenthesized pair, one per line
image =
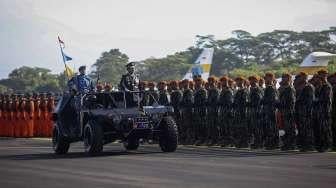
(44, 114)
(29, 110)
(14, 124)
(37, 115)
(5, 115)
(22, 116)
(50, 107)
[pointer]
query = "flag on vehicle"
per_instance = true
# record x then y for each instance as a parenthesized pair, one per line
(68, 71)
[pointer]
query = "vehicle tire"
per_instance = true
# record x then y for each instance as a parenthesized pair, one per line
(131, 144)
(168, 139)
(59, 143)
(93, 138)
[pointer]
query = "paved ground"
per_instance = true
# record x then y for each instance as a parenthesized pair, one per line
(31, 163)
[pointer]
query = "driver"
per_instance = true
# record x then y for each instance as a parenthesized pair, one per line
(129, 81)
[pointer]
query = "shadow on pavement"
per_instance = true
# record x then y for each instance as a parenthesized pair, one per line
(72, 155)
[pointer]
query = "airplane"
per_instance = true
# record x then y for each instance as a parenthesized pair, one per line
(315, 61)
(312, 63)
(202, 66)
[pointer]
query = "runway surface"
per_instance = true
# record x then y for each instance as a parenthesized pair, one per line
(31, 163)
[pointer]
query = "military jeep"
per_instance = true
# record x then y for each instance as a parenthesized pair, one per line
(101, 118)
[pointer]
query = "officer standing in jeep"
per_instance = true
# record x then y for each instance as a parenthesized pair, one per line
(129, 81)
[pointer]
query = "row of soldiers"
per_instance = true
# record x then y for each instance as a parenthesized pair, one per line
(252, 112)
(26, 115)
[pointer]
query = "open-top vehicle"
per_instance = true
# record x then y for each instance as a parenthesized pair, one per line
(101, 118)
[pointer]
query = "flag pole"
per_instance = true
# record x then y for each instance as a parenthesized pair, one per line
(64, 62)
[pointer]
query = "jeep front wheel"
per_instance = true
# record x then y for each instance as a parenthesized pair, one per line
(59, 143)
(168, 139)
(93, 138)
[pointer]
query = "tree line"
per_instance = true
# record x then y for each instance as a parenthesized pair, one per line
(241, 54)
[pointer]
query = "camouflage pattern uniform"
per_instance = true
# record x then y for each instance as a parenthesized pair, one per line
(187, 127)
(256, 129)
(212, 108)
(226, 118)
(271, 132)
(240, 132)
(286, 108)
(163, 94)
(153, 95)
(323, 126)
(176, 98)
(199, 116)
(333, 113)
(303, 113)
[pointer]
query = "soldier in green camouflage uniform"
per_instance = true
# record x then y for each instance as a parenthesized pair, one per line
(332, 81)
(153, 95)
(254, 110)
(212, 109)
(143, 95)
(286, 109)
(163, 94)
(303, 112)
(199, 117)
(240, 131)
(187, 127)
(269, 101)
(225, 111)
(323, 126)
(176, 98)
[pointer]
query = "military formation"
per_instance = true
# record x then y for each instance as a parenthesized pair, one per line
(26, 115)
(299, 112)
(257, 112)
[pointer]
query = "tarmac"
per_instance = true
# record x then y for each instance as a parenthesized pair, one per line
(31, 163)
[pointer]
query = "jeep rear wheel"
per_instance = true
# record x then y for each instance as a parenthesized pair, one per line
(168, 139)
(131, 144)
(93, 138)
(59, 143)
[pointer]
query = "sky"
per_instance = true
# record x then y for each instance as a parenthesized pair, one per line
(139, 28)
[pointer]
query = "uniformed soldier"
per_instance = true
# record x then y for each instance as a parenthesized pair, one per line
(254, 111)
(200, 114)
(187, 128)
(240, 132)
(212, 111)
(153, 94)
(44, 114)
(129, 81)
(175, 100)
(50, 109)
(323, 127)
(163, 94)
(269, 101)
(332, 81)
(144, 95)
(81, 84)
(37, 115)
(286, 109)
(303, 110)
(225, 111)
(16, 124)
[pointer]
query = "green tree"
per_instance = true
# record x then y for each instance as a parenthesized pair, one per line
(110, 66)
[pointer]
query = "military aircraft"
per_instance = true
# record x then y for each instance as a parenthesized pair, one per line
(202, 65)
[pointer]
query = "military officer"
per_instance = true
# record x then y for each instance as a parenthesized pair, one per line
(129, 81)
